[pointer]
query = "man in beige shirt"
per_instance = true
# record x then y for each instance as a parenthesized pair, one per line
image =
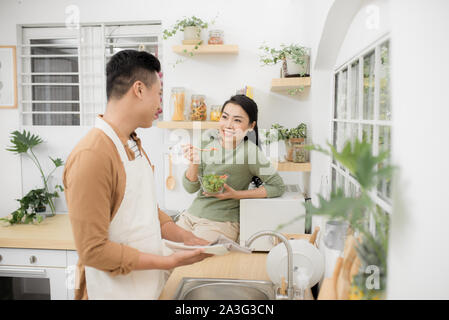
(97, 185)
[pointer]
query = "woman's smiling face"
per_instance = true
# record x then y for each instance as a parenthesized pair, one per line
(234, 123)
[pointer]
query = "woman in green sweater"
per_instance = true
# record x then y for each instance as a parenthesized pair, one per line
(231, 153)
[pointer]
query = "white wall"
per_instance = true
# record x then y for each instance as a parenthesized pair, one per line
(418, 260)
(246, 23)
(370, 23)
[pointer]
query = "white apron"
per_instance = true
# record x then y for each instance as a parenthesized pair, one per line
(136, 224)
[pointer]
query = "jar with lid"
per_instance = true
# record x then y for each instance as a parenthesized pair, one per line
(215, 37)
(198, 108)
(300, 154)
(215, 113)
(177, 104)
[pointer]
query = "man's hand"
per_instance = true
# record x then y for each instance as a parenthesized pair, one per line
(181, 258)
(228, 193)
(185, 257)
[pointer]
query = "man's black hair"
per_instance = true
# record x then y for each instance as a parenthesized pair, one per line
(127, 67)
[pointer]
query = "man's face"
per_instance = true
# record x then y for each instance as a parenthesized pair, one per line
(150, 103)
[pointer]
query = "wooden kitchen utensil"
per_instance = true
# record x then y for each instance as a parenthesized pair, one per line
(328, 289)
(292, 236)
(311, 238)
(344, 278)
(170, 182)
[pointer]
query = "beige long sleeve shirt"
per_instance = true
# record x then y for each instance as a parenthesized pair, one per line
(94, 179)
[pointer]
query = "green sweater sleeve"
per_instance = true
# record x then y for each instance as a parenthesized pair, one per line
(272, 181)
(190, 186)
(274, 185)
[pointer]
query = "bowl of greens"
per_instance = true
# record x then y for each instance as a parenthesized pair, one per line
(213, 183)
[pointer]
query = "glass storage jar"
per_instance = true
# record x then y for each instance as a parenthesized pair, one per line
(198, 108)
(215, 37)
(177, 104)
(215, 113)
(300, 154)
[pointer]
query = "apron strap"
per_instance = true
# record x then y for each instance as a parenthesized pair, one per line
(103, 125)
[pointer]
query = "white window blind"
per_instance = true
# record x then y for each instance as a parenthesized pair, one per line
(63, 81)
(362, 109)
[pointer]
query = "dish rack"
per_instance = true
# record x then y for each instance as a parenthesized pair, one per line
(311, 238)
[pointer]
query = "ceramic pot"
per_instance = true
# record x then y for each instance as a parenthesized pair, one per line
(192, 33)
(297, 69)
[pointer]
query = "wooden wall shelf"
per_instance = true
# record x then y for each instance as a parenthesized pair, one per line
(292, 166)
(207, 49)
(188, 124)
(284, 84)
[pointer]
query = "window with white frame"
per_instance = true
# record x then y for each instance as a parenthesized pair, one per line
(63, 81)
(362, 110)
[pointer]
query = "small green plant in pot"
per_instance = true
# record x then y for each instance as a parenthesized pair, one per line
(295, 59)
(295, 144)
(290, 137)
(36, 200)
(23, 143)
(192, 28)
(31, 205)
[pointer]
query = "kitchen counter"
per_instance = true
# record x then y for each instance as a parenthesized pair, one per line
(234, 265)
(52, 233)
(230, 266)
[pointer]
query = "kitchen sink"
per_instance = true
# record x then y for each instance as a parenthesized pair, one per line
(224, 289)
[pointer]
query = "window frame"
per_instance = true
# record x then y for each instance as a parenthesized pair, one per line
(55, 31)
(382, 202)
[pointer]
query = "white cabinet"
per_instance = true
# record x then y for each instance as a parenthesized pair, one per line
(33, 257)
(39, 273)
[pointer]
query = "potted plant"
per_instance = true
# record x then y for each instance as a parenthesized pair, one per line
(23, 144)
(36, 200)
(295, 144)
(358, 209)
(22, 216)
(291, 137)
(191, 27)
(31, 207)
(295, 59)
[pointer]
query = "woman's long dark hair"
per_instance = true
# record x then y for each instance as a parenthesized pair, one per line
(251, 110)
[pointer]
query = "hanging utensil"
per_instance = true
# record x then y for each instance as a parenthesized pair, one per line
(170, 182)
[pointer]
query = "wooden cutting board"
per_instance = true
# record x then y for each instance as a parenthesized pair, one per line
(338, 287)
(344, 279)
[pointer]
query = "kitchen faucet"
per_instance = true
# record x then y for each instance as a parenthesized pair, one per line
(290, 289)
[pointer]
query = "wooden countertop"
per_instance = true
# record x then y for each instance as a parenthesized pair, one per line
(52, 233)
(230, 266)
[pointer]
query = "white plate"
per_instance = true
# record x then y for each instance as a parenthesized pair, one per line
(217, 249)
(305, 255)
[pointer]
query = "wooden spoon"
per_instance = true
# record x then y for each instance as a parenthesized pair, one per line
(170, 182)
